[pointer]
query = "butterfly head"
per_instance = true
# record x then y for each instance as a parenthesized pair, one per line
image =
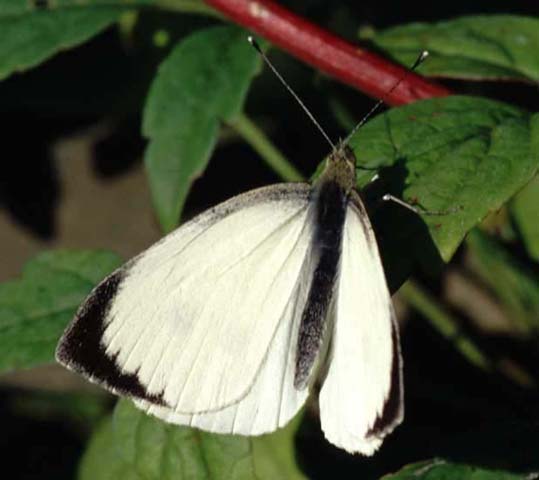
(341, 167)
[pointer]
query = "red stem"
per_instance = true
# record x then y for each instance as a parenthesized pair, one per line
(363, 70)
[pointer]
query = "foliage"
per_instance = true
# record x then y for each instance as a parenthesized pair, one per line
(437, 470)
(480, 47)
(132, 445)
(202, 82)
(35, 309)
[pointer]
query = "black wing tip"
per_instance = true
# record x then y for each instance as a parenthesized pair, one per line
(392, 413)
(82, 338)
(81, 347)
(61, 353)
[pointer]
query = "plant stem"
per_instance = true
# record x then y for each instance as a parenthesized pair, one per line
(261, 144)
(363, 70)
(444, 323)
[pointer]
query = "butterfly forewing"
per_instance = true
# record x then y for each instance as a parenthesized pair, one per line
(194, 323)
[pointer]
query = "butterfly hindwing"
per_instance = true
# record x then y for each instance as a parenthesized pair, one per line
(273, 400)
(361, 396)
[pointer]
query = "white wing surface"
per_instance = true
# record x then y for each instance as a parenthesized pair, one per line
(361, 395)
(201, 328)
(272, 401)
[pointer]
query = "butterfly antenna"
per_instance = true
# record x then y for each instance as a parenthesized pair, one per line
(419, 60)
(256, 46)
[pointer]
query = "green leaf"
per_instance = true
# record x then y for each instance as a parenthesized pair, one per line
(442, 470)
(101, 461)
(203, 82)
(464, 156)
(524, 213)
(513, 282)
(132, 445)
(475, 47)
(274, 454)
(29, 34)
(22, 7)
(35, 309)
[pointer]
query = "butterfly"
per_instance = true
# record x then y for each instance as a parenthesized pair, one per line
(231, 321)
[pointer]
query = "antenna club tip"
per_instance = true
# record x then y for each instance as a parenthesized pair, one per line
(424, 54)
(254, 43)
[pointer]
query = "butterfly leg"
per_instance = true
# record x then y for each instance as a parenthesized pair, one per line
(419, 211)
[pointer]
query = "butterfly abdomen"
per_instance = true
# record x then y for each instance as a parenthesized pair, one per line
(330, 203)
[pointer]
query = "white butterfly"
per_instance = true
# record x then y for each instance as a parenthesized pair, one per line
(226, 323)
(229, 322)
